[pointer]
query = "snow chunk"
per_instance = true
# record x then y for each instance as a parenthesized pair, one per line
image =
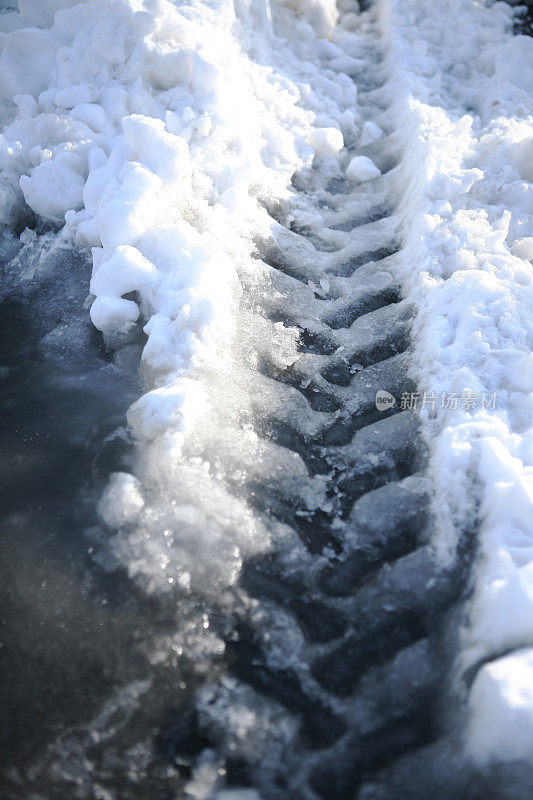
(167, 155)
(91, 114)
(501, 705)
(514, 62)
(169, 68)
(129, 206)
(109, 312)
(145, 22)
(524, 248)
(326, 141)
(126, 271)
(27, 105)
(41, 12)
(371, 133)
(321, 14)
(122, 500)
(74, 95)
(346, 64)
(175, 407)
(52, 189)
(16, 76)
(362, 169)
(523, 157)
(100, 177)
(10, 21)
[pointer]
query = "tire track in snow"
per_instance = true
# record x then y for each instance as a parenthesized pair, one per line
(367, 605)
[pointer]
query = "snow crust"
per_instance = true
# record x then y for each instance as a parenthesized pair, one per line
(468, 213)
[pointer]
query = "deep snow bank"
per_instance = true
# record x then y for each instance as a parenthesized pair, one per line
(464, 108)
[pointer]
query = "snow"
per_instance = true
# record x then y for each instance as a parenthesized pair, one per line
(41, 12)
(326, 141)
(15, 77)
(514, 62)
(92, 114)
(523, 248)
(157, 134)
(147, 141)
(130, 204)
(462, 104)
(126, 271)
(166, 154)
(501, 706)
(122, 500)
(522, 156)
(362, 169)
(75, 95)
(371, 133)
(112, 314)
(52, 189)
(321, 14)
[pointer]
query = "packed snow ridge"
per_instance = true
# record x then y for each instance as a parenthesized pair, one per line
(467, 264)
(156, 134)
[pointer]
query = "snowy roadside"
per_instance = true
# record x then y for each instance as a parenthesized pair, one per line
(159, 133)
(150, 130)
(464, 109)
(148, 145)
